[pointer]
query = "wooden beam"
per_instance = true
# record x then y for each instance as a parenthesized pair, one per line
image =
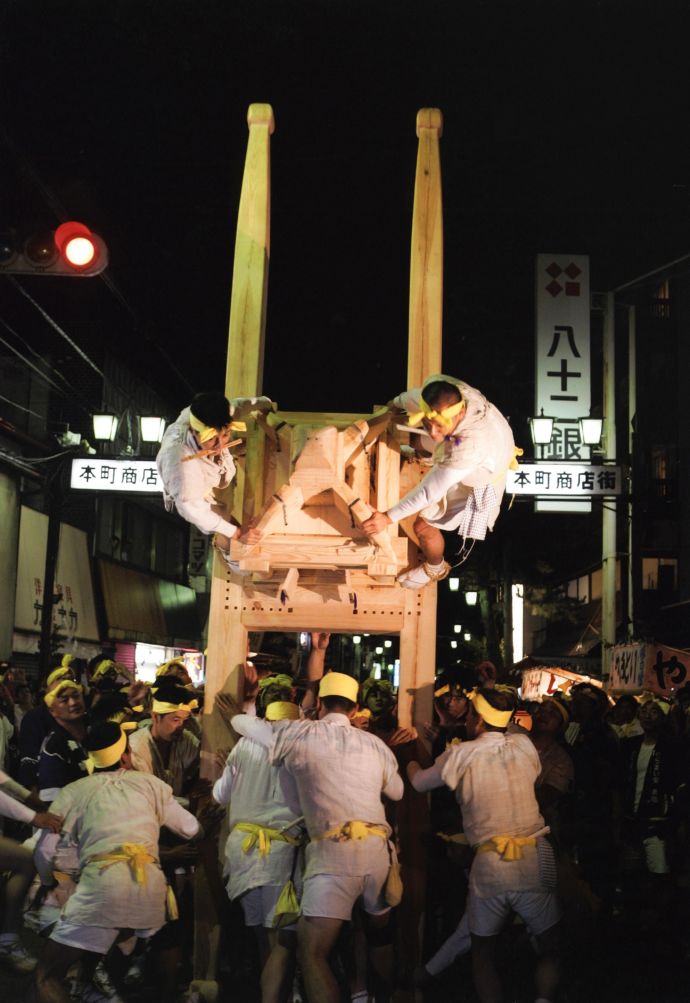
(245, 363)
(426, 259)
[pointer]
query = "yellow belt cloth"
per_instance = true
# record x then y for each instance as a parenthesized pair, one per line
(456, 837)
(507, 847)
(264, 836)
(133, 854)
(354, 830)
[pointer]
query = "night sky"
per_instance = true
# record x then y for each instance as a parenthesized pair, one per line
(566, 130)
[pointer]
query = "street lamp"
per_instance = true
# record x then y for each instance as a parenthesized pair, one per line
(471, 597)
(590, 430)
(457, 627)
(454, 584)
(151, 428)
(105, 427)
(541, 429)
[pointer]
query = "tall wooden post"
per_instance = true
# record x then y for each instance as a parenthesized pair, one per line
(227, 636)
(418, 637)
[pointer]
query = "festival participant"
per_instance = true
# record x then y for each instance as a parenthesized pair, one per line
(162, 746)
(473, 449)
(263, 848)
(194, 463)
(493, 775)
(341, 773)
(63, 757)
(18, 803)
(114, 817)
(37, 724)
(650, 775)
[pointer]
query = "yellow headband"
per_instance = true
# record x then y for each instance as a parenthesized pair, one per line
(162, 707)
(662, 704)
(62, 670)
(339, 684)
(282, 710)
(496, 718)
(102, 758)
(162, 669)
(443, 417)
(105, 666)
(66, 684)
(67, 659)
(206, 432)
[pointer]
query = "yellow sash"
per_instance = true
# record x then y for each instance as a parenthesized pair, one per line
(507, 847)
(132, 854)
(354, 830)
(264, 836)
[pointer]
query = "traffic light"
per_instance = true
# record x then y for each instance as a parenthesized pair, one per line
(72, 249)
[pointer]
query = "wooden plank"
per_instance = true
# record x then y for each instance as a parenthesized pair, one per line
(340, 618)
(417, 658)
(426, 259)
(387, 477)
(244, 372)
(227, 637)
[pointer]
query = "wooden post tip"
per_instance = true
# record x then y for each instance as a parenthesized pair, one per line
(261, 114)
(430, 118)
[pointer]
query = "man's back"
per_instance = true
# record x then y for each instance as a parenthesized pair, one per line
(340, 772)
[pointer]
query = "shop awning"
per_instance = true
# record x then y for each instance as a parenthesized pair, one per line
(141, 607)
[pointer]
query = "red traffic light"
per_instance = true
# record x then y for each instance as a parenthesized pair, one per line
(76, 245)
(71, 250)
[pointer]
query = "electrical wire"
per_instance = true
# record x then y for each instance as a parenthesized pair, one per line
(40, 373)
(54, 324)
(20, 407)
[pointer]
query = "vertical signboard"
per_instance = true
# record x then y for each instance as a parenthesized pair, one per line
(563, 384)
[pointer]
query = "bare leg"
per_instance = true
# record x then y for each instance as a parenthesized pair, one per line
(381, 954)
(484, 972)
(15, 858)
(49, 979)
(430, 540)
(279, 967)
(316, 937)
(547, 973)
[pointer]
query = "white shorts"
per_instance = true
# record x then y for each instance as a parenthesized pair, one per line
(98, 939)
(259, 905)
(538, 910)
(334, 895)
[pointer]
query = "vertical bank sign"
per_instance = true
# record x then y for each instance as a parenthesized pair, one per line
(563, 359)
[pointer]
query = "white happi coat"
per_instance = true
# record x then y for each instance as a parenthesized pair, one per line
(464, 488)
(341, 773)
(188, 486)
(264, 794)
(493, 778)
(101, 813)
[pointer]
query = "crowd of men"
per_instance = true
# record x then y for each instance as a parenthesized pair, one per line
(364, 865)
(364, 858)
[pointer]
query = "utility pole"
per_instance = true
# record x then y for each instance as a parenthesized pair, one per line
(608, 525)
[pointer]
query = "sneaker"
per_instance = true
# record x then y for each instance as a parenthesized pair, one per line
(417, 578)
(134, 975)
(14, 955)
(103, 983)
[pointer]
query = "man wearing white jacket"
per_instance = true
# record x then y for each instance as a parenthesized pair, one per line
(194, 462)
(472, 449)
(18, 803)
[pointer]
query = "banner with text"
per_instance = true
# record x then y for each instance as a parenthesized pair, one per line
(563, 380)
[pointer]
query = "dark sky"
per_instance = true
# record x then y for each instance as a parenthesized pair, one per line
(566, 130)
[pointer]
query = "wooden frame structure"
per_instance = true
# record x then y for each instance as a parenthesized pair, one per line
(311, 479)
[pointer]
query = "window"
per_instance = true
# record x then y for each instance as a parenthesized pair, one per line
(659, 573)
